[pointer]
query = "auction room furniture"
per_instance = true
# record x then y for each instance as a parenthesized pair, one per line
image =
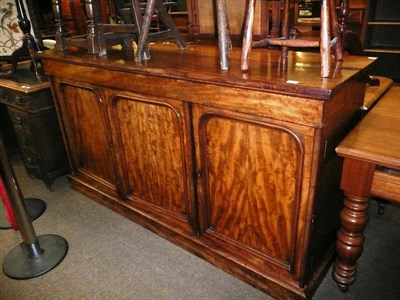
(374, 92)
(380, 36)
(31, 110)
(371, 167)
(102, 35)
(330, 37)
(239, 169)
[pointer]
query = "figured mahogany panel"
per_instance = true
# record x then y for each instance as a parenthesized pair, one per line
(151, 137)
(87, 134)
(252, 179)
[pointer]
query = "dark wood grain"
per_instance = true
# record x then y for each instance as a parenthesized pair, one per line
(35, 125)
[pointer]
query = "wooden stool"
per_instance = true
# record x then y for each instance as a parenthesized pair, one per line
(329, 23)
(99, 35)
(135, 28)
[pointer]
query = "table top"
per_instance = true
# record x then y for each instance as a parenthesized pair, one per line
(23, 80)
(299, 76)
(376, 138)
(373, 93)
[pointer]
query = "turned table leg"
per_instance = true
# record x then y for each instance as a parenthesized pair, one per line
(356, 184)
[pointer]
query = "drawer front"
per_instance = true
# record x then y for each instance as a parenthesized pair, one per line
(31, 162)
(11, 97)
(25, 140)
(19, 119)
(31, 101)
(25, 136)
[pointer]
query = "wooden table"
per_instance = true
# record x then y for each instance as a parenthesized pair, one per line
(371, 167)
(374, 93)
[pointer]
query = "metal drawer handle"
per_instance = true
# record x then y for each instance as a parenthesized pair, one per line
(31, 163)
(20, 100)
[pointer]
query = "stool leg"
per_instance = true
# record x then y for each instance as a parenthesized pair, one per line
(276, 19)
(224, 42)
(92, 12)
(248, 36)
(138, 20)
(335, 30)
(144, 33)
(61, 33)
(165, 17)
(325, 48)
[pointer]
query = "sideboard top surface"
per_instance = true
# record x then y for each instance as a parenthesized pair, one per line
(300, 76)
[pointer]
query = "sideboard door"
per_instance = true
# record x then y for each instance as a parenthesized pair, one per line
(86, 129)
(152, 143)
(250, 181)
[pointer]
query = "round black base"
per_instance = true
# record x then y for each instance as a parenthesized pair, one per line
(18, 265)
(34, 207)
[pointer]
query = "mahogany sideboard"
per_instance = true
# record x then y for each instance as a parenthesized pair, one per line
(238, 168)
(35, 126)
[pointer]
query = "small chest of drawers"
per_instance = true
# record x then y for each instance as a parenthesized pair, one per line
(34, 120)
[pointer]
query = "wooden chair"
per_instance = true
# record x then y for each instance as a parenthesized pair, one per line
(329, 27)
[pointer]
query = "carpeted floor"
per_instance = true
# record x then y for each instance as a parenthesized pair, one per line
(111, 257)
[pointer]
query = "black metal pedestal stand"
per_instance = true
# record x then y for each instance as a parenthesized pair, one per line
(34, 207)
(36, 255)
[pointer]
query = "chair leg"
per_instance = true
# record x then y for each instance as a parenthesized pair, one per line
(60, 30)
(325, 48)
(138, 20)
(142, 53)
(224, 41)
(285, 27)
(276, 19)
(343, 15)
(248, 36)
(93, 15)
(144, 33)
(335, 30)
(165, 17)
